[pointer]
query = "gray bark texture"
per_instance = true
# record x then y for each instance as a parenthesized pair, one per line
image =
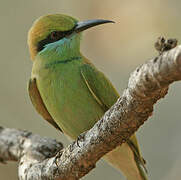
(44, 158)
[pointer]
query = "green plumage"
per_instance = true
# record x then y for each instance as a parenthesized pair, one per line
(76, 95)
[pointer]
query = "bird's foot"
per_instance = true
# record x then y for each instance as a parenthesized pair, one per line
(80, 138)
(58, 155)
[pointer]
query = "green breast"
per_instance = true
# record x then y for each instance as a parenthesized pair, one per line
(67, 97)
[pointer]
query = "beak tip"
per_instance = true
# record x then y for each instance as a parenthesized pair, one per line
(112, 21)
(81, 26)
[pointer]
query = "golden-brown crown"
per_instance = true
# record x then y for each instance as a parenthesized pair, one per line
(44, 25)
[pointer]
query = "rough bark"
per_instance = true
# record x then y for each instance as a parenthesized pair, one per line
(147, 84)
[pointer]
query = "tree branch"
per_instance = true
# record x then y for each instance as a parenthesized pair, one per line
(147, 84)
(14, 144)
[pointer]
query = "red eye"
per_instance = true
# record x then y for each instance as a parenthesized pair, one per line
(54, 35)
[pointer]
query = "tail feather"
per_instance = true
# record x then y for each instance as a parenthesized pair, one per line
(126, 160)
(138, 158)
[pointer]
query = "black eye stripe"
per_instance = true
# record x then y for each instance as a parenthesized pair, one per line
(53, 37)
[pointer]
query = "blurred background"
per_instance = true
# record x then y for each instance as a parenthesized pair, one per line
(116, 49)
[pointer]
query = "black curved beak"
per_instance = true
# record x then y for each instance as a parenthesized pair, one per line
(83, 25)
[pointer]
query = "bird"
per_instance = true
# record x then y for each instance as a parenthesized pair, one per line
(69, 92)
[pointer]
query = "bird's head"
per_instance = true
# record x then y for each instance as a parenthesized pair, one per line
(56, 27)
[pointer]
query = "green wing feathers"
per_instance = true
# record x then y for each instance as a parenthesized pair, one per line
(38, 103)
(106, 95)
(99, 86)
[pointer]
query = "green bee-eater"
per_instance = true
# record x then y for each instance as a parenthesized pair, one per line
(69, 91)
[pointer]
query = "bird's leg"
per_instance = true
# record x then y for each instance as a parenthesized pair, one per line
(80, 138)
